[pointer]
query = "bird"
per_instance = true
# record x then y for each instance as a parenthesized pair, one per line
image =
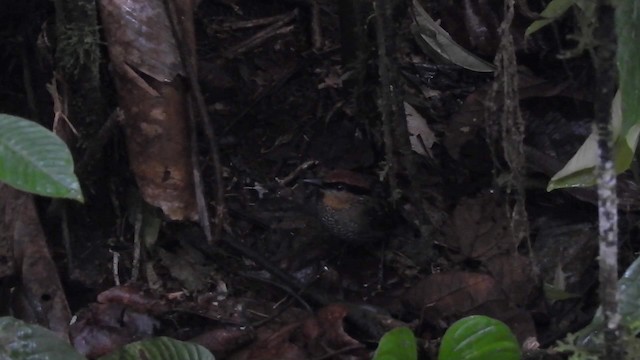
(351, 207)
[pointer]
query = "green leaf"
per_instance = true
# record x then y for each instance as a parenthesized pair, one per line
(397, 344)
(580, 170)
(438, 44)
(479, 337)
(20, 340)
(554, 293)
(554, 10)
(160, 348)
(35, 160)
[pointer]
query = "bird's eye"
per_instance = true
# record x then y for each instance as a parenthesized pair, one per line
(340, 187)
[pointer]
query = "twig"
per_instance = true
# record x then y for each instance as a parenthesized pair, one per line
(294, 174)
(283, 287)
(66, 238)
(115, 264)
(249, 23)
(201, 202)
(137, 243)
(256, 257)
(27, 80)
(198, 99)
(60, 108)
(316, 30)
(259, 38)
(523, 9)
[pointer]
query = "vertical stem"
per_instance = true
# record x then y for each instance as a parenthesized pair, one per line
(184, 35)
(605, 67)
(397, 146)
(389, 102)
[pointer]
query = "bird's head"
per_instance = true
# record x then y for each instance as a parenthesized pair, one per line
(342, 189)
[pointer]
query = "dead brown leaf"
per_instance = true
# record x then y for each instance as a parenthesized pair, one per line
(134, 298)
(222, 340)
(452, 293)
(331, 323)
(465, 124)
(23, 240)
(445, 297)
(277, 345)
(514, 273)
(480, 228)
(152, 96)
(102, 328)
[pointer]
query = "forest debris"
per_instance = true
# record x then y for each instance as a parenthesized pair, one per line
(421, 136)
(479, 228)
(39, 295)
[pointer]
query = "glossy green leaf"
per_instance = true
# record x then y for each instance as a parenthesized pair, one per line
(397, 344)
(160, 348)
(35, 160)
(20, 340)
(479, 337)
(554, 10)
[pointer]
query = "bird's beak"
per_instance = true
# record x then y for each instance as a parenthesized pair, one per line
(314, 182)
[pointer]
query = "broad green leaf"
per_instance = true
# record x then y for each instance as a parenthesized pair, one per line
(438, 44)
(397, 344)
(479, 337)
(35, 160)
(160, 348)
(554, 10)
(580, 170)
(20, 340)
